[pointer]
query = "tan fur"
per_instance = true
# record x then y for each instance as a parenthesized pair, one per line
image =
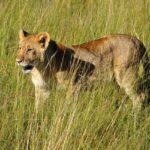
(114, 56)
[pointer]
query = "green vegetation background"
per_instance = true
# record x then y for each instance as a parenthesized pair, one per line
(91, 121)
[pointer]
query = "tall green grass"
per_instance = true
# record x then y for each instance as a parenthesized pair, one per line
(97, 119)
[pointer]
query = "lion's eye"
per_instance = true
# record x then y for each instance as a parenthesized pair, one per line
(29, 49)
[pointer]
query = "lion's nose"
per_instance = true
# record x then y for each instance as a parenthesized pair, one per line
(19, 60)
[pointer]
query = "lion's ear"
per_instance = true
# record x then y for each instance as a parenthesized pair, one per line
(43, 38)
(22, 34)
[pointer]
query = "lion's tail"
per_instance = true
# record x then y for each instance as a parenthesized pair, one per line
(145, 62)
(146, 71)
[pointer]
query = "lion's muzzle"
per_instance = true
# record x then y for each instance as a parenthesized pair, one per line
(26, 68)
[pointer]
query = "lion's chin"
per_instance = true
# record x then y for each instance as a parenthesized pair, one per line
(27, 69)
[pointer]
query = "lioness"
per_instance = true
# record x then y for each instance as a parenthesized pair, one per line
(113, 56)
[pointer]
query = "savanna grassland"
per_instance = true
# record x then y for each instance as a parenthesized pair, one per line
(99, 118)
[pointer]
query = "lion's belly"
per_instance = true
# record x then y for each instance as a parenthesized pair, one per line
(104, 67)
(103, 64)
(103, 72)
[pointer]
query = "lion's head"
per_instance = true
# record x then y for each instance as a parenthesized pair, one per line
(31, 49)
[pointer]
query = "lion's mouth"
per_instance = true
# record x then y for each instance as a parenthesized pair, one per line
(27, 68)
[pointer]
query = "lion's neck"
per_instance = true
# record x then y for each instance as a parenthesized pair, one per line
(57, 57)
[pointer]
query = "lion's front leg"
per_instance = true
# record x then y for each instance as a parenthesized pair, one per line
(41, 95)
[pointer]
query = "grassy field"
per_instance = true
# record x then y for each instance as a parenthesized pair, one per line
(91, 121)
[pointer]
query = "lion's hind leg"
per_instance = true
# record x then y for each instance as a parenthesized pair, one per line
(129, 81)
